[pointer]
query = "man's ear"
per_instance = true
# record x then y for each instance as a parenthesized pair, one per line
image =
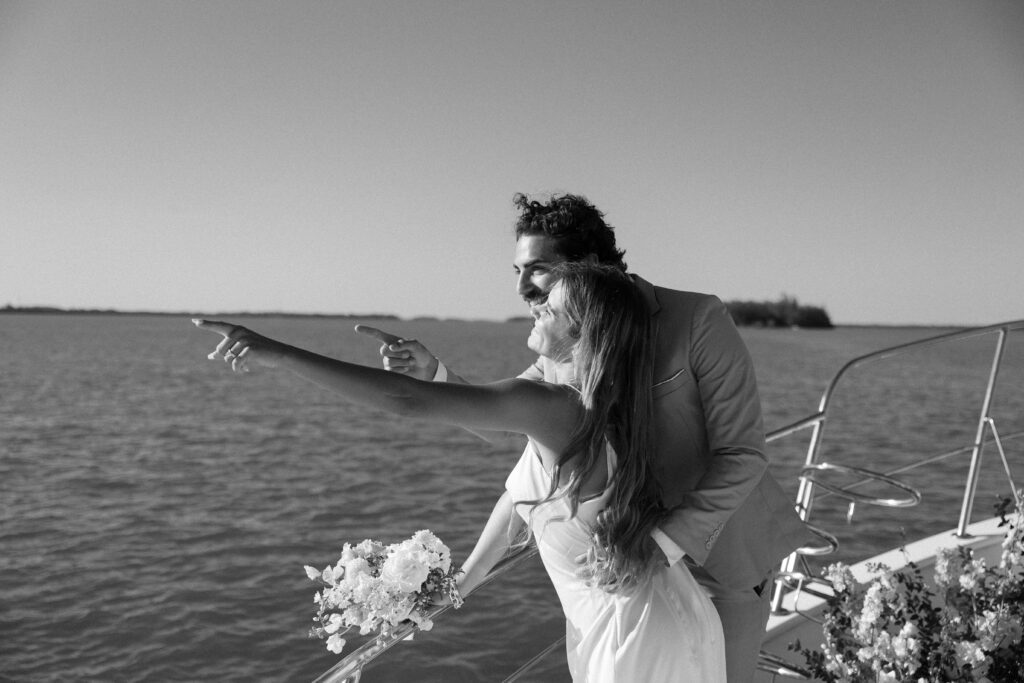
(590, 260)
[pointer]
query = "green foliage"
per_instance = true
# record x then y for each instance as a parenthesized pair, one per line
(786, 312)
(969, 627)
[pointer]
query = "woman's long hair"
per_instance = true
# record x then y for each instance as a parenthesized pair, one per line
(613, 361)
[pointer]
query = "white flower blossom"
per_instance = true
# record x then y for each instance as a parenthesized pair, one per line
(1012, 559)
(968, 653)
(336, 644)
(840, 576)
(355, 568)
(948, 567)
(374, 587)
(877, 596)
(905, 645)
(407, 567)
(433, 545)
(998, 628)
(973, 572)
(368, 548)
(334, 623)
(880, 633)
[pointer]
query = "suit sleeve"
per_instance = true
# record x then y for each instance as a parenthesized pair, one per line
(727, 387)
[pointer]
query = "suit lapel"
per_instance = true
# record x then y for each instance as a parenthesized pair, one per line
(650, 295)
(669, 355)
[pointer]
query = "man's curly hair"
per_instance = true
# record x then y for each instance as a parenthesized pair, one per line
(576, 225)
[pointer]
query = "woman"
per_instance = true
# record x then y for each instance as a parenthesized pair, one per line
(583, 487)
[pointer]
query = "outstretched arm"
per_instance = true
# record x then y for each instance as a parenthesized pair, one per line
(502, 527)
(545, 412)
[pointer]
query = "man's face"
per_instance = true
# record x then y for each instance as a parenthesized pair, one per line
(535, 256)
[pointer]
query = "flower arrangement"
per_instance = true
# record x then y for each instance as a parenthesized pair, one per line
(898, 628)
(375, 587)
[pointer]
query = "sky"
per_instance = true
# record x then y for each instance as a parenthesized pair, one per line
(361, 157)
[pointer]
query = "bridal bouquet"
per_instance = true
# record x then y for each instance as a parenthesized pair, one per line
(898, 628)
(375, 587)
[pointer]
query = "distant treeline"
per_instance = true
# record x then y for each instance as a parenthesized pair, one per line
(193, 314)
(786, 312)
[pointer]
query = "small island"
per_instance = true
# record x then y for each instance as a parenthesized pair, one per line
(786, 312)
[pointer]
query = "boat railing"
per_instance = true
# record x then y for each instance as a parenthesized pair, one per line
(814, 485)
(812, 477)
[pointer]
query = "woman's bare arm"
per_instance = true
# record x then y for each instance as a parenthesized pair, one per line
(501, 528)
(545, 412)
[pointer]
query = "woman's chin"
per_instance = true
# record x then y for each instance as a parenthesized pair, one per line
(533, 343)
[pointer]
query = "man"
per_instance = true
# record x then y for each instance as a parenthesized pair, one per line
(730, 521)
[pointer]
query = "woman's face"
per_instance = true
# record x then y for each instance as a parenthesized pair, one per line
(550, 336)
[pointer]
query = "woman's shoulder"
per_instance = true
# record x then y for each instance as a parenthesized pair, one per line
(544, 411)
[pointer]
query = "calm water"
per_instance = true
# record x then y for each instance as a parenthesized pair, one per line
(156, 509)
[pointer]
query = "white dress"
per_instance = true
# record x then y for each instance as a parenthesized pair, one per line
(665, 629)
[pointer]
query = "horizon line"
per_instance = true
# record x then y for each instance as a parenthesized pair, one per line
(58, 310)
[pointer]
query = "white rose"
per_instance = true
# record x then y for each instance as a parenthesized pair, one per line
(355, 568)
(406, 568)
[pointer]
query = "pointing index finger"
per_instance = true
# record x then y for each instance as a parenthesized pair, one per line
(214, 326)
(380, 335)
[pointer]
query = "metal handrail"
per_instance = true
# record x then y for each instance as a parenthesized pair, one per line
(831, 543)
(778, 666)
(847, 492)
(525, 668)
(924, 462)
(816, 422)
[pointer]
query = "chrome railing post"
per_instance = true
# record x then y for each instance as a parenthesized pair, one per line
(804, 495)
(979, 439)
(805, 492)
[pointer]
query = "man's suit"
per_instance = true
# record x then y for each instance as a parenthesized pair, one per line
(729, 515)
